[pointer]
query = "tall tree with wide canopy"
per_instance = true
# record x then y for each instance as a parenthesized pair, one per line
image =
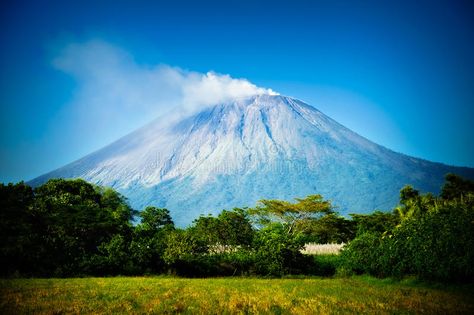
(294, 216)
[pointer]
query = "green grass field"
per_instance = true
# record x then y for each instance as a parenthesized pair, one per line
(138, 295)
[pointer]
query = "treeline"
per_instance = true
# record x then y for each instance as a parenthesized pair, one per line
(73, 228)
(432, 237)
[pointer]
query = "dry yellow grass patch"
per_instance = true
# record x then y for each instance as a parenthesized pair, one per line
(157, 295)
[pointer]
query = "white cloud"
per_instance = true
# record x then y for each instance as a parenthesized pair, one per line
(115, 95)
(114, 89)
(210, 88)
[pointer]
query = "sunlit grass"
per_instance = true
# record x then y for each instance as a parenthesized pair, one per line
(138, 295)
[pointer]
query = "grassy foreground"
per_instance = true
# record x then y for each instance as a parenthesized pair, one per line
(137, 295)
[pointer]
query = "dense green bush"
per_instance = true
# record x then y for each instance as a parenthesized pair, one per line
(236, 263)
(434, 240)
(58, 228)
(277, 253)
(437, 246)
(230, 228)
(362, 255)
(325, 265)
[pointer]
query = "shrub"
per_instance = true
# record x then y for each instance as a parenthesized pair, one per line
(325, 265)
(436, 245)
(361, 255)
(277, 253)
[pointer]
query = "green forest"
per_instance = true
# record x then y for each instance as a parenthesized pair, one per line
(71, 228)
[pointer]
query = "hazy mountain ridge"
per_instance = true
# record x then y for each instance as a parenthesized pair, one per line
(233, 154)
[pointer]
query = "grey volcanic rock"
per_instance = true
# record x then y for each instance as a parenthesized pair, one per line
(233, 154)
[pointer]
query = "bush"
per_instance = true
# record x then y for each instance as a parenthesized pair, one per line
(277, 253)
(325, 265)
(436, 245)
(238, 263)
(439, 246)
(362, 254)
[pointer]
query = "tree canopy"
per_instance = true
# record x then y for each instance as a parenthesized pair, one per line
(294, 216)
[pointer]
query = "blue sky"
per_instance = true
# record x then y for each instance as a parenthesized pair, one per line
(400, 73)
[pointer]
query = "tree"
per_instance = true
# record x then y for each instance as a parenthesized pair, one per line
(277, 253)
(376, 222)
(455, 187)
(331, 228)
(283, 226)
(113, 257)
(116, 208)
(149, 240)
(181, 245)
(75, 218)
(293, 216)
(235, 227)
(18, 237)
(206, 229)
(408, 193)
(154, 219)
(412, 204)
(229, 228)
(362, 254)
(434, 239)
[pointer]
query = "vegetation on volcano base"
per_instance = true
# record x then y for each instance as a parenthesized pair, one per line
(72, 228)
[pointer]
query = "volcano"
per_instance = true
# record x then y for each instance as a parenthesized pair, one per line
(260, 147)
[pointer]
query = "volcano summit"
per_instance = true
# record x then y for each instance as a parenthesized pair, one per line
(261, 147)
